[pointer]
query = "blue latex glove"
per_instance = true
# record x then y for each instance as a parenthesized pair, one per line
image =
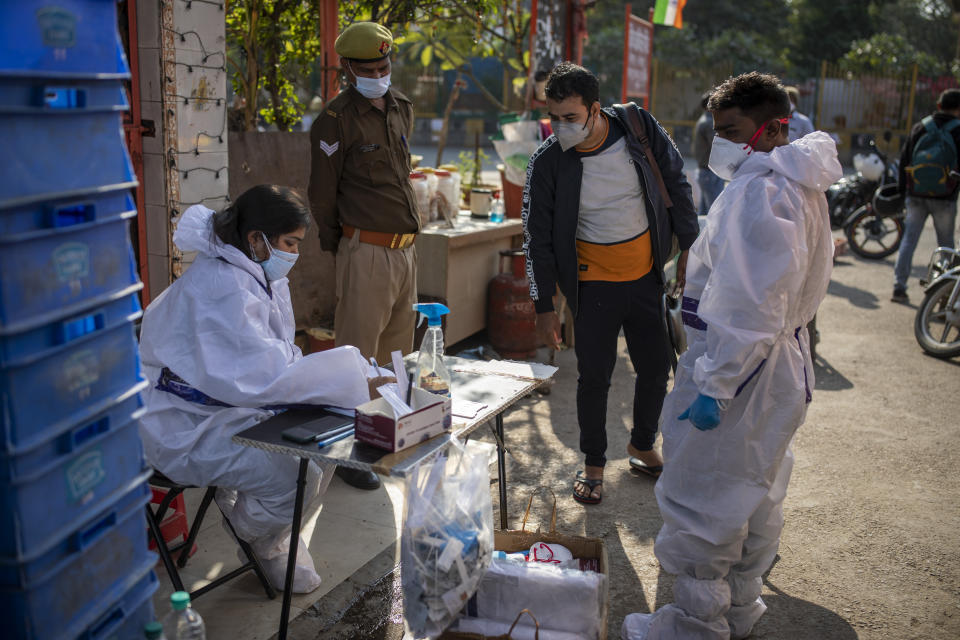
(704, 413)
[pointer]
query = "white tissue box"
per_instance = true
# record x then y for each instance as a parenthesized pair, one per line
(377, 426)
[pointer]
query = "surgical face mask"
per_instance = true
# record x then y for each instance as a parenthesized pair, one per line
(570, 134)
(278, 263)
(372, 88)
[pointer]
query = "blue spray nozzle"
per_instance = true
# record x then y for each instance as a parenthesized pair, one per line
(432, 311)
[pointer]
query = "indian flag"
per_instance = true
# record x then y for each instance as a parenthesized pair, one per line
(669, 12)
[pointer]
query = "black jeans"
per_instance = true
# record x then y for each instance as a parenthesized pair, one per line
(604, 308)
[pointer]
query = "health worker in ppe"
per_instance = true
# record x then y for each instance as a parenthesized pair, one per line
(755, 277)
(217, 347)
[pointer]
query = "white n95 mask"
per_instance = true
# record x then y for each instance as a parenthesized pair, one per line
(278, 263)
(570, 134)
(726, 157)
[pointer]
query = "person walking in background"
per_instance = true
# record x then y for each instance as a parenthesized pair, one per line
(597, 224)
(710, 184)
(364, 204)
(800, 125)
(928, 177)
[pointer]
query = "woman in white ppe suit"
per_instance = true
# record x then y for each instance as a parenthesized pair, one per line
(755, 278)
(218, 347)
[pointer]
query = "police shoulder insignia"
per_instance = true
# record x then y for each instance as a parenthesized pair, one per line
(329, 149)
(332, 113)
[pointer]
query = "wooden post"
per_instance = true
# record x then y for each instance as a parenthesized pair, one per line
(626, 53)
(329, 79)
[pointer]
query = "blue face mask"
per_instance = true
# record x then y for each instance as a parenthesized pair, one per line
(278, 263)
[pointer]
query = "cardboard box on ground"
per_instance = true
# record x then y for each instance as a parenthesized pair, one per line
(511, 541)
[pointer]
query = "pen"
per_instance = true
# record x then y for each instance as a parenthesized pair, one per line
(409, 387)
(333, 432)
(332, 439)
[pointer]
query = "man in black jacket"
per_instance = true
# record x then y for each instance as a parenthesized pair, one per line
(596, 224)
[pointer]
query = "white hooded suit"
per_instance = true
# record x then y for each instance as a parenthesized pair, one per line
(226, 335)
(755, 278)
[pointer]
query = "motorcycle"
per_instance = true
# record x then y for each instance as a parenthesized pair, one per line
(937, 326)
(849, 193)
(875, 229)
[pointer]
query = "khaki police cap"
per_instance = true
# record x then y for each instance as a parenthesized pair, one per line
(364, 42)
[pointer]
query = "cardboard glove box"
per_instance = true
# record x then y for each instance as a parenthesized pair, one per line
(377, 425)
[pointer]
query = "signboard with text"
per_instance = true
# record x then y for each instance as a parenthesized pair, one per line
(637, 58)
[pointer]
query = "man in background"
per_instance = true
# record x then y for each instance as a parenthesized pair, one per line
(938, 199)
(800, 125)
(710, 185)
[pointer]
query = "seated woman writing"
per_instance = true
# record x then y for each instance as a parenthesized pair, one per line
(218, 348)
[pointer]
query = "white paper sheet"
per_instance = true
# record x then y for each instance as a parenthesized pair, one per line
(466, 409)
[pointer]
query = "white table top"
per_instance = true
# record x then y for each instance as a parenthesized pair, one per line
(497, 383)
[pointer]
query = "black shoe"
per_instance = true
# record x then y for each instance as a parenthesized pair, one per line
(900, 295)
(366, 480)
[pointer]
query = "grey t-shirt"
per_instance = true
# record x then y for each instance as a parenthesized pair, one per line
(612, 207)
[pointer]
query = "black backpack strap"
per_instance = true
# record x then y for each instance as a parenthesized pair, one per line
(630, 114)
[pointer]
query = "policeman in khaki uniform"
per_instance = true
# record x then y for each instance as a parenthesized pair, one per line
(362, 199)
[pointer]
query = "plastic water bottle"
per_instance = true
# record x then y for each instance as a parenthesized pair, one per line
(496, 209)
(154, 631)
(184, 623)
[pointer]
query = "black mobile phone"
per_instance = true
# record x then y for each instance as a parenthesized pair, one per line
(315, 429)
(300, 435)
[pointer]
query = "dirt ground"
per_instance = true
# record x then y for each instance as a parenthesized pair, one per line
(870, 550)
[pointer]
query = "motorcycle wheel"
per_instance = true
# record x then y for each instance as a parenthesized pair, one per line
(874, 237)
(937, 328)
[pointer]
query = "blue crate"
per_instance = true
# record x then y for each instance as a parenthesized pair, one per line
(49, 274)
(104, 312)
(126, 617)
(29, 95)
(103, 203)
(58, 483)
(62, 38)
(49, 152)
(45, 394)
(59, 589)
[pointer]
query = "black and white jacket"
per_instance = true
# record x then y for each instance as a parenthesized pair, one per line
(551, 208)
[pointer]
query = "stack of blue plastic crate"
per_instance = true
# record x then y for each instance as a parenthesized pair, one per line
(73, 549)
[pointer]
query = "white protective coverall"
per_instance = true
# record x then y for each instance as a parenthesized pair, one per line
(759, 271)
(229, 335)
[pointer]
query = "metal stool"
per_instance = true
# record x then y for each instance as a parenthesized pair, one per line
(154, 518)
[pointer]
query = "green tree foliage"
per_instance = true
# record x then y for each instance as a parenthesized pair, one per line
(788, 37)
(454, 34)
(884, 52)
(272, 44)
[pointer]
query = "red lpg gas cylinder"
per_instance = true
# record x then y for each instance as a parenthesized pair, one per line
(511, 316)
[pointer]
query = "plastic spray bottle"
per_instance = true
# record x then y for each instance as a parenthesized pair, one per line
(432, 374)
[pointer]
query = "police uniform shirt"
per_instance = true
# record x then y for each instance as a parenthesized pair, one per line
(360, 167)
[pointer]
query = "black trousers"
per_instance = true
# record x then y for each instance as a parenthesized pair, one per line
(604, 309)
